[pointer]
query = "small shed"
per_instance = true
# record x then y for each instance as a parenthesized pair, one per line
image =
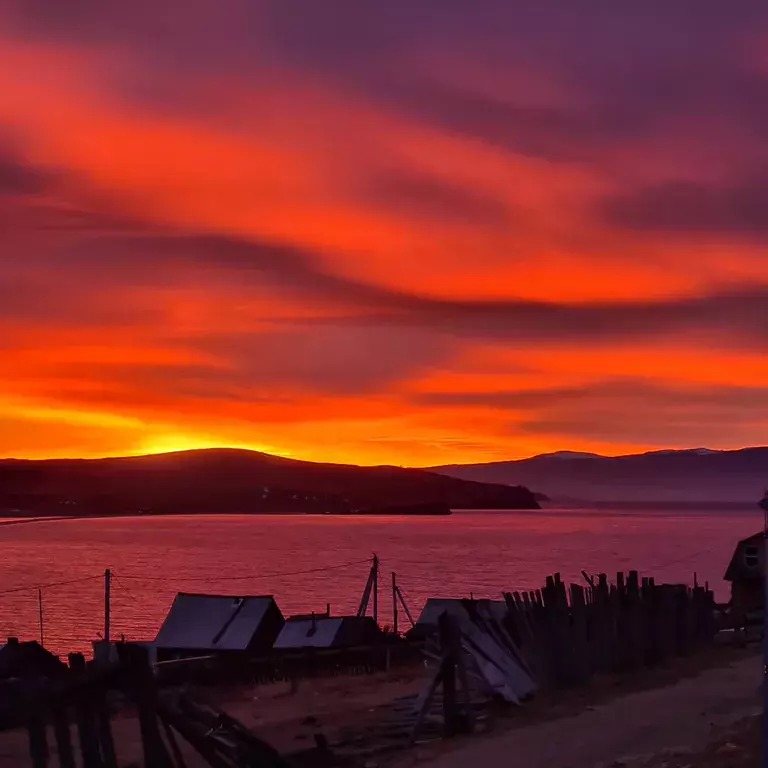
(219, 623)
(745, 572)
(325, 631)
(29, 660)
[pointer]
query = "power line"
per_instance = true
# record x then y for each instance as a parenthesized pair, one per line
(124, 589)
(251, 576)
(33, 587)
(683, 559)
(50, 584)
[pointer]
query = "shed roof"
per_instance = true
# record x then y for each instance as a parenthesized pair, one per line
(436, 606)
(213, 622)
(326, 632)
(302, 632)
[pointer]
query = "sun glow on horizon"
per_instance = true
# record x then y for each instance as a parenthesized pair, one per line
(174, 443)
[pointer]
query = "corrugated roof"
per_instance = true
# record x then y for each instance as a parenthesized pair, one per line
(212, 622)
(298, 633)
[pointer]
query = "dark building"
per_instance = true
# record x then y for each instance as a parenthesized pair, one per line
(29, 660)
(202, 624)
(745, 572)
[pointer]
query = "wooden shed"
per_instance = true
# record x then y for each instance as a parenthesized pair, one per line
(200, 624)
(745, 572)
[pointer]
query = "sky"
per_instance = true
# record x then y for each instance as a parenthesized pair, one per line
(409, 232)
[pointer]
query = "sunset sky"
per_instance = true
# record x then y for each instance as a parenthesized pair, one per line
(401, 232)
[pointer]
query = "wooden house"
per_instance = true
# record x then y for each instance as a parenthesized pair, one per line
(746, 572)
(204, 624)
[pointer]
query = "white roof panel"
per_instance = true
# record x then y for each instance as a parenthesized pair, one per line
(298, 633)
(212, 622)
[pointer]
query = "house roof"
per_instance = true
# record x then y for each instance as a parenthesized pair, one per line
(736, 568)
(213, 622)
(298, 632)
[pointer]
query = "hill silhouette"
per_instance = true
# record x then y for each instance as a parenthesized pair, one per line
(698, 475)
(236, 481)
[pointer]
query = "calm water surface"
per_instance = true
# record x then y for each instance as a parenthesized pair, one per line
(481, 553)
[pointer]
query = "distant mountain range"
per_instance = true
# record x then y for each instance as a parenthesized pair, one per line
(237, 481)
(698, 475)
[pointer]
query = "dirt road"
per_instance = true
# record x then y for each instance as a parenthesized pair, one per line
(678, 718)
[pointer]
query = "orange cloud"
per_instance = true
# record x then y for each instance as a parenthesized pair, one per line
(408, 256)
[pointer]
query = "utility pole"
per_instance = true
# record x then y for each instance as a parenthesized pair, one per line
(376, 588)
(394, 602)
(107, 589)
(40, 614)
(371, 585)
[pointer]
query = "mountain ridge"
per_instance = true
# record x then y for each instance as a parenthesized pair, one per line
(229, 480)
(679, 476)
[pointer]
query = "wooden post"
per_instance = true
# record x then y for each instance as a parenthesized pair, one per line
(376, 588)
(107, 588)
(405, 606)
(63, 740)
(394, 602)
(448, 669)
(582, 663)
(145, 695)
(87, 736)
(104, 731)
(40, 614)
(634, 622)
(38, 744)
(371, 583)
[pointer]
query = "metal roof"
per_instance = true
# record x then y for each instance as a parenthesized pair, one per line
(436, 606)
(212, 622)
(298, 633)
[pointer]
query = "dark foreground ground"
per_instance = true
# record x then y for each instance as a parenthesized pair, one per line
(699, 712)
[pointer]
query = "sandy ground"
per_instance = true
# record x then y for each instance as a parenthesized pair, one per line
(662, 727)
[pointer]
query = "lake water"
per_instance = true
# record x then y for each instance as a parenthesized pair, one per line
(479, 553)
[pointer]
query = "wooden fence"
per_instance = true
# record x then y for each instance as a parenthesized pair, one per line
(70, 720)
(566, 635)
